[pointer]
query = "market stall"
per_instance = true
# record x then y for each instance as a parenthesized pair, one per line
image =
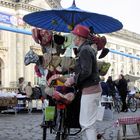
(7, 100)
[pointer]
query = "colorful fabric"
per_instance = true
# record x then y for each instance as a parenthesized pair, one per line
(63, 98)
(42, 37)
(64, 89)
(53, 78)
(59, 83)
(37, 71)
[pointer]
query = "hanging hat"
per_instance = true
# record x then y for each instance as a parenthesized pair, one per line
(104, 52)
(59, 39)
(81, 30)
(56, 60)
(100, 41)
(35, 35)
(46, 37)
(30, 57)
(103, 67)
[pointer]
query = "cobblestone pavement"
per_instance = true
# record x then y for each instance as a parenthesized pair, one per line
(27, 127)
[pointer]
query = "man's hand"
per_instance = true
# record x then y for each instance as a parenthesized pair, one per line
(69, 82)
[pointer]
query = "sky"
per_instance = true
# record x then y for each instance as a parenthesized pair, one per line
(126, 11)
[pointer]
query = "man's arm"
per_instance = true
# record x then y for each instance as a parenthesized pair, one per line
(86, 66)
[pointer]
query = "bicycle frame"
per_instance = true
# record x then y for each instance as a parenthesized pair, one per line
(117, 102)
(59, 124)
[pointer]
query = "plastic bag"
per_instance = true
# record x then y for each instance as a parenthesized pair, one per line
(100, 112)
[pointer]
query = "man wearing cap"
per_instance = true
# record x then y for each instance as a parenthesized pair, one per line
(87, 80)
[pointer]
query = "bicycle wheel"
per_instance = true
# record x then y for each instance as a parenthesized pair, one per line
(132, 104)
(118, 106)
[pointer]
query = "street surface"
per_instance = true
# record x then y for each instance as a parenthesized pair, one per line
(25, 126)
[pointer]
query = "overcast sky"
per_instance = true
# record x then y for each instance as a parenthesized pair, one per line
(126, 11)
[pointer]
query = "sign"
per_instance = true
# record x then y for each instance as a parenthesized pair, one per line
(10, 19)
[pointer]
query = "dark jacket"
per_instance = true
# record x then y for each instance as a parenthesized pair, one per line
(86, 72)
(122, 86)
(111, 87)
(105, 89)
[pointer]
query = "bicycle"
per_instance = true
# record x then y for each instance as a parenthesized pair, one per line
(61, 124)
(131, 102)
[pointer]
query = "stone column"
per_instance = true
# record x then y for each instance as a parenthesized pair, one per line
(12, 59)
(19, 56)
(29, 69)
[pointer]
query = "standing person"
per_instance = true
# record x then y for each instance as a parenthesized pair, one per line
(122, 88)
(28, 90)
(21, 86)
(104, 86)
(87, 80)
(111, 86)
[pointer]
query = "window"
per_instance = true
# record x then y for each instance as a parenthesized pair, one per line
(130, 59)
(122, 68)
(138, 61)
(122, 57)
(112, 56)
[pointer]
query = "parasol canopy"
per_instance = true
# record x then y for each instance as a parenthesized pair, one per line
(64, 20)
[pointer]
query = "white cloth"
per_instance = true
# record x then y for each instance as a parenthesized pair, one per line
(88, 115)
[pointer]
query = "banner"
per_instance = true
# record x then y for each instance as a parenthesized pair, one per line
(8, 19)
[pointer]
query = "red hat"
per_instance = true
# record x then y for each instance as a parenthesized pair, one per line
(81, 30)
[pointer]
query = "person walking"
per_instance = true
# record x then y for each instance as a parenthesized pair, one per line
(122, 88)
(87, 79)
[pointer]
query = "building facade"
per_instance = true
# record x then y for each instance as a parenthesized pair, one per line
(14, 46)
(128, 43)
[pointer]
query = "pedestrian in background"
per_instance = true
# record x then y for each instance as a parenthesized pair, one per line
(21, 86)
(123, 89)
(28, 90)
(104, 86)
(111, 86)
(87, 80)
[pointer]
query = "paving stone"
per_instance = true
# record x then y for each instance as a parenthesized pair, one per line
(27, 127)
